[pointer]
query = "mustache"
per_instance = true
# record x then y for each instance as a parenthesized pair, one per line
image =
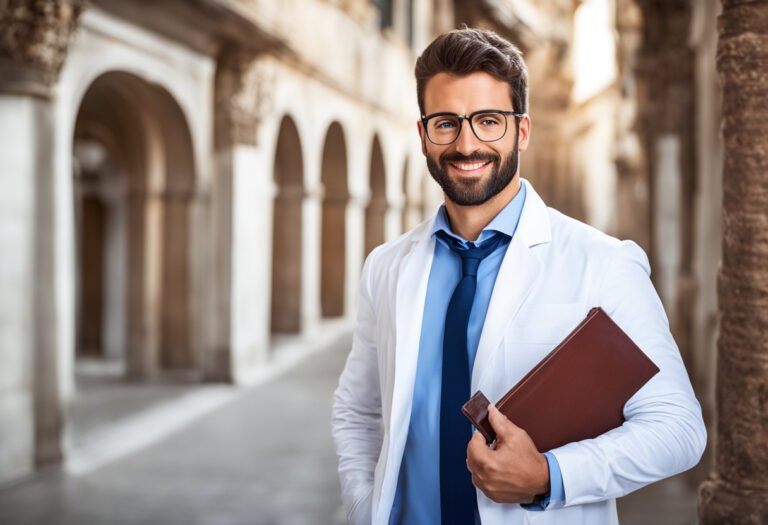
(475, 157)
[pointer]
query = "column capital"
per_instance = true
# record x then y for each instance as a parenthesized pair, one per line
(34, 43)
(244, 93)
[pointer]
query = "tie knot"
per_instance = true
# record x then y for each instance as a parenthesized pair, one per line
(471, 256)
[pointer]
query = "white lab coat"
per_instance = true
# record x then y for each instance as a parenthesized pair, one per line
(555, 269)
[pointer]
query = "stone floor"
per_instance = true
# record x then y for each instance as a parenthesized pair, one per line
(261, 455)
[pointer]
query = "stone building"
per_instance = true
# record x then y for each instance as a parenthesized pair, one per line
(183, 181)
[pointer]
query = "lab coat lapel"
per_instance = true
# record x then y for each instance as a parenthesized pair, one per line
(517, 275)
(408, 294)
(413, 276)
(411, 292)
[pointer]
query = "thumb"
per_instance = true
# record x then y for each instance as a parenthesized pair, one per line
(501, 425)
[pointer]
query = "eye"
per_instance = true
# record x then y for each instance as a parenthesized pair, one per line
(444, 123)
(488, 120)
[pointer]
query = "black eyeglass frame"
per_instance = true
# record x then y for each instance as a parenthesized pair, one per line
(426, 118)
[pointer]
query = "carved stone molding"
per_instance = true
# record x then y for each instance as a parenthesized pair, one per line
(34, 42)
(244, 93)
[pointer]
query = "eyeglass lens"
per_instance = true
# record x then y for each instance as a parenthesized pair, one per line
(488, 127)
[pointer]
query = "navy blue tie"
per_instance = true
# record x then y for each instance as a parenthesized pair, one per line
(457, 494)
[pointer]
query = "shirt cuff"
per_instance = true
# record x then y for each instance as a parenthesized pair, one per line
(556, 496)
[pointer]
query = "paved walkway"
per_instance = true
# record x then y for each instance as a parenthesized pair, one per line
(260, 456)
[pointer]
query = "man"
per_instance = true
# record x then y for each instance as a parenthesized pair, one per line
(473, 299)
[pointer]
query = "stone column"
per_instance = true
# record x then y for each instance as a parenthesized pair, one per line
(312, 220)
(552, 84)
(355, 247)
(737, 491)
(144, 211)
(334, 255)
(175, 316)
(242, 94)
(34, 40)
(631, 183)
(665, 97)
(666, 125)
(287, 261)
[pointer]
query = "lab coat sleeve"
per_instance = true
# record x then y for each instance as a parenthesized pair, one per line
(663, 434)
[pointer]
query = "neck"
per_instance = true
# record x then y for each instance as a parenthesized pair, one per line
(469, 221)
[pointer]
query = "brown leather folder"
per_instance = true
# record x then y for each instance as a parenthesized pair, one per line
(577, 392)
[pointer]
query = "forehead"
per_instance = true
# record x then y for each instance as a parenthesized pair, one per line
(465, 94)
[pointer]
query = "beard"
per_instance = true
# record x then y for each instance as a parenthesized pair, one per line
(466, 191)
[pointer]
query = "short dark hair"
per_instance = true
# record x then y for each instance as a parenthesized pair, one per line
(466, 50)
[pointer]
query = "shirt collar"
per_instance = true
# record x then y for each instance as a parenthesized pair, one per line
(505, 222)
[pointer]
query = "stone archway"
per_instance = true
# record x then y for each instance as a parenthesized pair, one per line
(134, 184)
(287, 234)
(334, 223)
(376, 211)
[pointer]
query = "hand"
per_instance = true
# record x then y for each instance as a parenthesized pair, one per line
(512, 471)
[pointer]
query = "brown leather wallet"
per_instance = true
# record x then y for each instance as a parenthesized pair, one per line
(577, 391)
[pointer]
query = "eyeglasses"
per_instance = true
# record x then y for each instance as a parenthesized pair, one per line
(488, 125)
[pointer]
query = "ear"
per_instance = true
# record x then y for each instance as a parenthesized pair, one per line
(524, 135)
(423, 137)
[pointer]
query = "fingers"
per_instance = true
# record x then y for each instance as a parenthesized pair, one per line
(477, 452)
(501, 425)
(477, 445)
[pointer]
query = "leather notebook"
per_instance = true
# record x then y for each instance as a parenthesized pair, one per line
(577, 391)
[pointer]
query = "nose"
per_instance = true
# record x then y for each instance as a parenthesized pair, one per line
(466, 143)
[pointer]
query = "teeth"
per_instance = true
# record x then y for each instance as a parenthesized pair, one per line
(469, 167)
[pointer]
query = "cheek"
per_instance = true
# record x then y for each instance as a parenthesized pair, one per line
(433, 152)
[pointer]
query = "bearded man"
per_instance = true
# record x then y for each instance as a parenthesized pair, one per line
(471, 300)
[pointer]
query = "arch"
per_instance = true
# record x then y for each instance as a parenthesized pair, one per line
(334, 222)
(134, 184)
(375, 212)
(287, 230)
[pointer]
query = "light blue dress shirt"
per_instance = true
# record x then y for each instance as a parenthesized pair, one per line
(417, 498)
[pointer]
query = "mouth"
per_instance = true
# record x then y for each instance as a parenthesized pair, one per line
(470, 168)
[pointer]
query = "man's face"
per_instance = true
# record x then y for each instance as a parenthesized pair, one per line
(471, 171)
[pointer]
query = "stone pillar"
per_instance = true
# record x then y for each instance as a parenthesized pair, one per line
(334, 255)
(666, 126)
(546, 163)
(707, 256)
(142, 357)
(375, 222)
(631, 183)
(393, 219)
(737, 491)
(312, 221)
(242, 94)
(175, 316)
(287, 261)
(355, 247)
(34, 40)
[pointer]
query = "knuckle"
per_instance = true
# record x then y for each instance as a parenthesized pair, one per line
(476, 481)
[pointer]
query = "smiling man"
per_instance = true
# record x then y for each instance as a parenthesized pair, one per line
(471, 300)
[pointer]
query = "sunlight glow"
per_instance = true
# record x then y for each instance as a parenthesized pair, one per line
(594, 52)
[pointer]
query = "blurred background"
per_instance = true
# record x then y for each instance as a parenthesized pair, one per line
(188, 192)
